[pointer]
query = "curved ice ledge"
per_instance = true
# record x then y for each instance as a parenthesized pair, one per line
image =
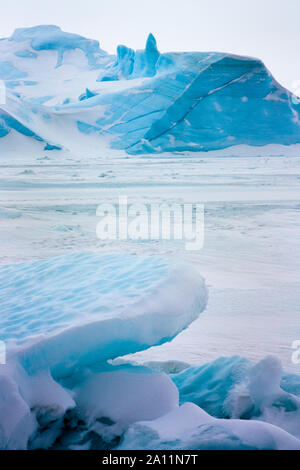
(84, 308)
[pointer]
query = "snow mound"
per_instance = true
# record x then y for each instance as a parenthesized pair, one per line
(128, 394)
(189, 427)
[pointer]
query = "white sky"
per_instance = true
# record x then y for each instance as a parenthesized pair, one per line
(268, 29)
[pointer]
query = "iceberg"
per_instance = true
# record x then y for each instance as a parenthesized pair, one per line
(141, 101)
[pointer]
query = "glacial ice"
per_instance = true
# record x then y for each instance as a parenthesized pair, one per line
(139, 101)
(9, 72)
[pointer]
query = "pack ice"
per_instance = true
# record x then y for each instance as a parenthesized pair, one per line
(63, 318)
(63, 92)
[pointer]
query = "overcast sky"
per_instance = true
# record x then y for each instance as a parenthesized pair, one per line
(268, 29)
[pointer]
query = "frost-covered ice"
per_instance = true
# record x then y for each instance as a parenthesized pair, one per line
(251, 210)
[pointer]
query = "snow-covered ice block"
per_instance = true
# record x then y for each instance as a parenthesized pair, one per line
(189, 427)
(84, 308)
(210, 384)
(234, 387)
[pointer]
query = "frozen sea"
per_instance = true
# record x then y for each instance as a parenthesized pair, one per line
(250, 258)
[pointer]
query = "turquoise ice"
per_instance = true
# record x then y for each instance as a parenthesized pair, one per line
(85, 308)
(140, 101)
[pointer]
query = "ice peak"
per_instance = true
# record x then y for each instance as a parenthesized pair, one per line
(151, 44)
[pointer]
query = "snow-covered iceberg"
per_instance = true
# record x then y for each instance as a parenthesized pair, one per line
(139, 101)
